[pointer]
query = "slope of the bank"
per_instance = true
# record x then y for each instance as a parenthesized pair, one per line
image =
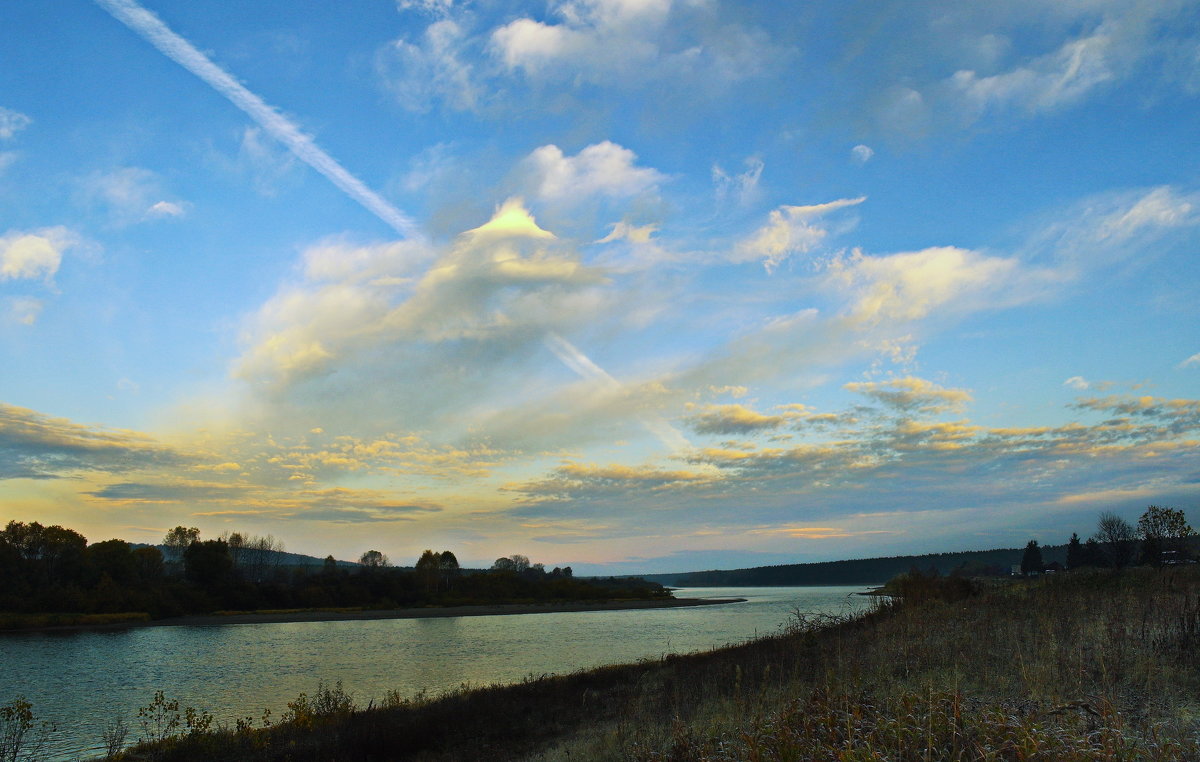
(1075, 666)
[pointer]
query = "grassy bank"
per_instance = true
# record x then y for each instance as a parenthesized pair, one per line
(1074, 666)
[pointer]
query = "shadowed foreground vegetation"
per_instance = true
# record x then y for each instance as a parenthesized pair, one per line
(1095, 665)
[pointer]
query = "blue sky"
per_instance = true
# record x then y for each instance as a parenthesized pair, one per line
(631, 285)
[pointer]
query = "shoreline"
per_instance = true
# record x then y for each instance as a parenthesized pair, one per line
(491, 609)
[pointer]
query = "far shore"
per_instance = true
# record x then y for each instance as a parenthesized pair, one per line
(432, 612)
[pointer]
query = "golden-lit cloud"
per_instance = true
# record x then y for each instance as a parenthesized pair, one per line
(912, 394)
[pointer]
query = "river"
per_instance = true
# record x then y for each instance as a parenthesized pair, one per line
(82, 681)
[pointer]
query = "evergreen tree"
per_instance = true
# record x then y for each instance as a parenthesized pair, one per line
(1075, 553)
(1031, 561)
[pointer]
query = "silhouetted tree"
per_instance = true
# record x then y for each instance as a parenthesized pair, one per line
(1162, 529)
(514, 563)
(429, 571)
(1117, 539)
(207, 564)
(448, 565)
(177, 541)
(114, 558)
(1075, 554)
(53, 553)
(373, 559)
(1031, 560)
(149, 564)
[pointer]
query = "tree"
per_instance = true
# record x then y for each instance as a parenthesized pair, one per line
(114, 558)
(177, 541)
(429, 570)
(207, 564)
(1117, 539)
(1075, 553)
(52, 553)
(1162, 529)
(373, 559)
(1031, 561)
(448, 564)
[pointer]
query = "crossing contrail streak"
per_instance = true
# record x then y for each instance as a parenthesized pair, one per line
(577, 361)
(182, 52)
(151, 28)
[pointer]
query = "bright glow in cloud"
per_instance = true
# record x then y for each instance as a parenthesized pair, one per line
(186, 55)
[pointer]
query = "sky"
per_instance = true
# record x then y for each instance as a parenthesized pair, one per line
(626, 285)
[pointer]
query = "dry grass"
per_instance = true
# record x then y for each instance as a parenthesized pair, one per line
(1081, 666)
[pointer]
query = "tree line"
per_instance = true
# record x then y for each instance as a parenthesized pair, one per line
(1162, 536)
(51, 569)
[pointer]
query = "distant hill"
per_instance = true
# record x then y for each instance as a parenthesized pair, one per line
(860, 571)
(278, 557)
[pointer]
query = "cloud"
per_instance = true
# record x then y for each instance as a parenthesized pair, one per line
(1114, 227)
(1193, 360)
(24, 310)
(579, 482)
(601, 169)
(911, 285)
(943, 67)
(182, 52)
(165, 209)
(632, 233)
(431, 7)
(595, 35)
(35, 255)
(1044, 84)
(268, 164)
(12, 122)
(912, 394)
(505, 281)
(733, 419)
(790, 230)
(1077, 382)
(628, 43)
(432, 69)
(861, 154)
(36, 446)
(742, 188)
(129, 195)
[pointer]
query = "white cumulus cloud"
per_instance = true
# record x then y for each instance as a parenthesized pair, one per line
(601, 169)
(30, 256)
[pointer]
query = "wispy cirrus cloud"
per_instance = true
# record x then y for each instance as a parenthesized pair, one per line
(12, 122)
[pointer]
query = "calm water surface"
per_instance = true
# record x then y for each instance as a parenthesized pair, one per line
(82, 680)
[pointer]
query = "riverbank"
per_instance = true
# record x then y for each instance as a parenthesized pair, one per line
(1079, 666)
(344, 615)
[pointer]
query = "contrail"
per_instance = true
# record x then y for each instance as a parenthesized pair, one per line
(182, 52)
(577, 361)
